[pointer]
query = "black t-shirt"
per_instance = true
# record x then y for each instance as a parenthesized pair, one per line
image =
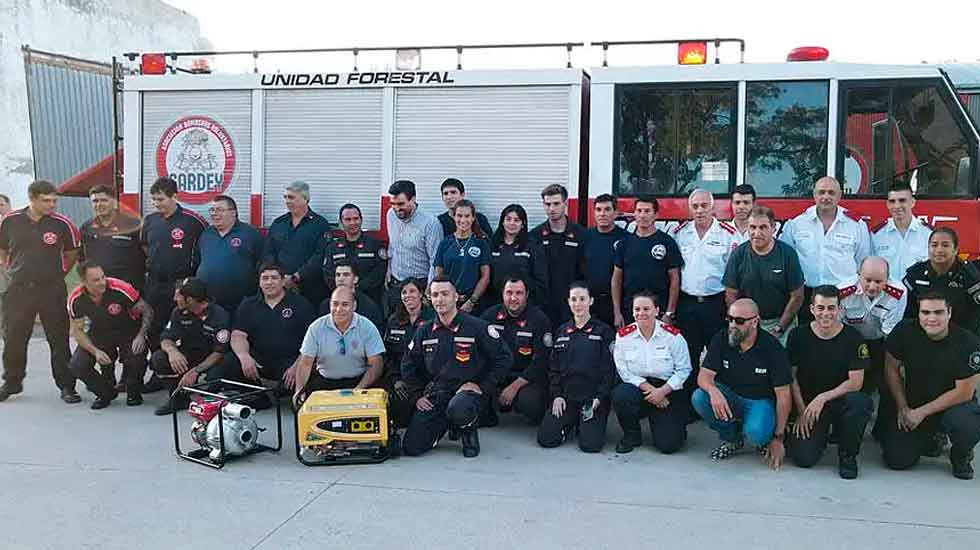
(116, 247)
(112, 318)
(274, 333)
(768, 279)
(600, 252)
(933, 367)
(751, 374)
(645, 262)
(170, 243)
(822, 365)
(36, 249)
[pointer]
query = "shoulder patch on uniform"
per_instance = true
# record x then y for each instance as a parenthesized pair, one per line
(671, 329)
(680, 226)
(879, 226)
(853, 215)
(727, 227)
(847, 291)
(626, 330)
(894, 292)
(864, 352)
(493, 332)
(547, 340)
(223, 336)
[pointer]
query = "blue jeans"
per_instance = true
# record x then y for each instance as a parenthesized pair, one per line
(756, 418)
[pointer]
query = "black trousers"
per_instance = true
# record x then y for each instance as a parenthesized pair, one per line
(118, 348)
(530, 402)
(668, 426)
(874, 382)
(699, 320)
(847, 415)
(591, 433)
(160, 364)
(457, 410)
(230, 368)
(160, 297)
(21, 305)
(902, 450)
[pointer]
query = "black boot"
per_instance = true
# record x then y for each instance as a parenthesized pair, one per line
(154, 384)
(471, 443)
(962, 465)
(8, 389)
(104, 401)
(847, 466)
(631, 439)
(176, 401)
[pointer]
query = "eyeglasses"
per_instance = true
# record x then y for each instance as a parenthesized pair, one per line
(739, 320)
(342, 346)
(216, 210)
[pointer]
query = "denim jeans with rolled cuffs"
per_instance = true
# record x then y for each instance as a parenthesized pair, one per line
(755, 418)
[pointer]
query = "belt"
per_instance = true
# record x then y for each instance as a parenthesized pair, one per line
(655, 382)
(703, 299)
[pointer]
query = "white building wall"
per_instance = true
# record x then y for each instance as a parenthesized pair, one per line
(89, 29)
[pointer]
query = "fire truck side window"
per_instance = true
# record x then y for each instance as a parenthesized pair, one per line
(904, 133)
(673, 140)
(785, 136)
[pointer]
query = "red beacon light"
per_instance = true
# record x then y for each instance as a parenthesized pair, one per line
(153, 63)
(809, 53)
(692, 53)
(200, 66)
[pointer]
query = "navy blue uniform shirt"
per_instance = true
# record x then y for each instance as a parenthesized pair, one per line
(228, 263)
(444, 357)
(199, 336)
(274, 334)
(398, 334)
(368, 254)
(527, 262)
(116, 247)
(528, 336)
(565, 256)
(170, 243)
(600, 252)
(298, 249)
(645, 262)
(582, 366)
(461, 260)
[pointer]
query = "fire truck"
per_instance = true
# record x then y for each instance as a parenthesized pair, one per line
(661, 130)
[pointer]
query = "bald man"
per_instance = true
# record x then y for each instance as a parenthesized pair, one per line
(345, 348)
(744, 387)
(830, 240)
(874, 306)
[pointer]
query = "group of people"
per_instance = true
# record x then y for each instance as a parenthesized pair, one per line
(780, 344)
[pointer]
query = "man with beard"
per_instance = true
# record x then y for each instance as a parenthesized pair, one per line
(413, 239)
(744, 387)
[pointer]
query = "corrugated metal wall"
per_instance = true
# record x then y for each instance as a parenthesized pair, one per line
(70, 104)
(973, 106)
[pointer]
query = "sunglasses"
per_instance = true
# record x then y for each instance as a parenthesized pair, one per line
(739, 320)
(342, 345)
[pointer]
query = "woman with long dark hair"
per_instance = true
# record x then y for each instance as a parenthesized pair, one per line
(412, 313)
(513, 255)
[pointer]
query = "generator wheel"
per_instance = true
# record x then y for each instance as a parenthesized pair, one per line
(394, 444)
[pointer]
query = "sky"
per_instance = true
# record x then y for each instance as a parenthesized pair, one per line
(853, 31)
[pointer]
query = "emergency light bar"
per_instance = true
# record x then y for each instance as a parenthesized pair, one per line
(153, 63)
(808, 53)
(692, 53)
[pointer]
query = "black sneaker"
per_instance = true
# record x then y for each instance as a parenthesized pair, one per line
(936, 445)
(70, 396)
(103, 402)
(7, 390)
(471, 443)
(727, 449)
(847, 467)
(630, 441)
(453, 434)
(962, 467)
(134, 399)
(178, 403)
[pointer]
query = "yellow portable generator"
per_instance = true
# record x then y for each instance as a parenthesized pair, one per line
(345, 427)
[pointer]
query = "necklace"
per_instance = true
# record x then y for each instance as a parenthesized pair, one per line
(462, 247)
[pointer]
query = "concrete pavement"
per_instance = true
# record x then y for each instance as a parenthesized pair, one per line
(75, 478)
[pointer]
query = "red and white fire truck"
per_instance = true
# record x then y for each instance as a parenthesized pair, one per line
(662, 130)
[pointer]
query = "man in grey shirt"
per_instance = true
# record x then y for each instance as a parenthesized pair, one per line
(345, 349)
(769, 272)
(413, 238)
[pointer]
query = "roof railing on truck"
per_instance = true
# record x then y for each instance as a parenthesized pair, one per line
(717, 42)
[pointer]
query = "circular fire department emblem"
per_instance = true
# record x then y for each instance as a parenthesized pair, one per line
(287, 313)
(236, 242)
(177, 234)
(114, 309)
(658, 252)
(198, 153)
(50, 238)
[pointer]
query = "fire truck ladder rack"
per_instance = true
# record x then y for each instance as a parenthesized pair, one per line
(173, 56)
(716, 41)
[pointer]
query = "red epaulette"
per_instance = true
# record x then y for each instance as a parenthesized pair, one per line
(627, 330)
(124, 287)
(879, 226)
(847, 291)
(501, 316)
(894, 292)
(671, 329)
(727, 227)
(853, 215)
(680, 226)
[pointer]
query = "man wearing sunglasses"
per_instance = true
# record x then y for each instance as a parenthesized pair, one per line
(744, 387)
(345, 347)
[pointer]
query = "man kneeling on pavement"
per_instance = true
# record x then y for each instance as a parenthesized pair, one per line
(458, 359)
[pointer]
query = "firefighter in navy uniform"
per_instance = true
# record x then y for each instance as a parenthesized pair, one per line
(563, 243)
(458, 359)
(600, 253)
(365, 252)
(112, 239)
(946, 272)
(37, 247)
(169, 237)
(527, 332)
(581, 374)
(514, 254)
(411, 315)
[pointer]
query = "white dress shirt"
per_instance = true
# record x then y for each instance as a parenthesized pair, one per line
(830, 258)
(874, 319)
(740, 236)
(705, 258)
(901, 251)
(664, 356)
